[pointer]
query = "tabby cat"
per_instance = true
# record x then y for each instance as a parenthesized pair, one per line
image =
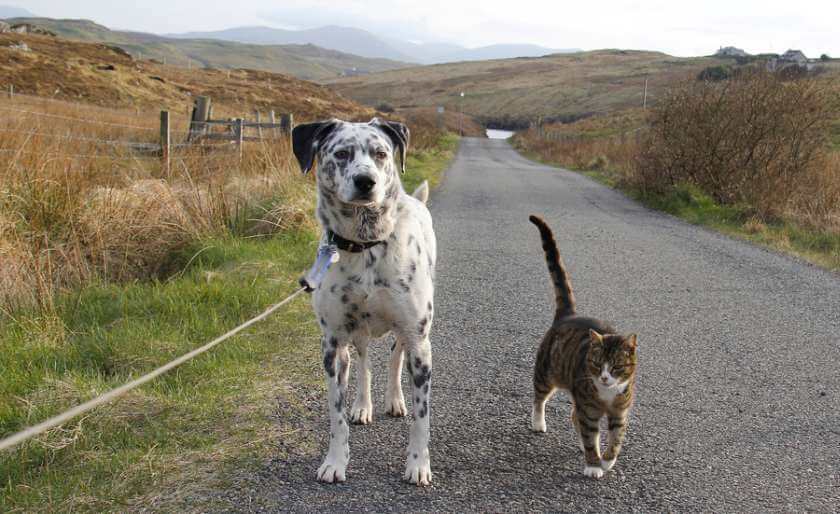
(585, 357)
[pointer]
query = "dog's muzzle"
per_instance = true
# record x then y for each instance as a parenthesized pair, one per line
(364, 186)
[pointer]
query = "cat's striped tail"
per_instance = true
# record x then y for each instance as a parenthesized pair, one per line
(563, 293)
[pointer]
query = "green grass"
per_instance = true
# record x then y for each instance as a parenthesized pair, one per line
(193, 429)
(693, 205)
(430, 164)
(209, 412)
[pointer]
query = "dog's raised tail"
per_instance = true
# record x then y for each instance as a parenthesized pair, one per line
(422, 192)
(563, 293)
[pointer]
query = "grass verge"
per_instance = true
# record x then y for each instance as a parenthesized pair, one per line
(173, 442)
(429, 164)
(694, 206)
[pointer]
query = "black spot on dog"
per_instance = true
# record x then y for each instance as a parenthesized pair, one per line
(333, 288)
(370, 259)
(405, 287)
(341, 422)
(393, 345)
(329, 362)
(352, 324)
(365, 315)
(333, 342)
(421, 327)
(354, 307)
(413, 267)
(339, 403)
(415, 455)
(429, 306)
(381, 282)
(345, 298)
(347, 288)
(343, 269)
(410, 238)
(426, 388)
(323, 322)
(355, 279)
(419, 250)
(422, 376)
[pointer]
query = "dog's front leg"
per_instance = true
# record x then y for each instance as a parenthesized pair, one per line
(362, 411)
(394, 400)
(337, 370)
(418, 468)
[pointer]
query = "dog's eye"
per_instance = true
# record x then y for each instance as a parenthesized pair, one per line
(381, 154)
(342, 154)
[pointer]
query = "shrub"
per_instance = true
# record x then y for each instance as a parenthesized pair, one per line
(715, 73)
(825, 57)
(753, 138)
(385, 108)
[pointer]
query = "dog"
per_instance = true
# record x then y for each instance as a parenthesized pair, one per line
(383, 281)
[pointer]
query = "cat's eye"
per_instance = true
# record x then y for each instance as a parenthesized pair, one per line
(342, 154)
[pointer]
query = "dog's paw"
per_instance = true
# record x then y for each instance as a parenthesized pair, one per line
(593, 471)
(361, 414)
(332, 471)
(418, 470)
(395, 407)
(607, 465)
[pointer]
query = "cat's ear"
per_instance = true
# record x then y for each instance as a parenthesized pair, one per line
(595, 337)
(630, 342)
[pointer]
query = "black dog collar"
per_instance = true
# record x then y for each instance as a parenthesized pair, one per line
(348, 245)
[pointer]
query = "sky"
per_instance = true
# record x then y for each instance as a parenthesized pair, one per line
(676, 27)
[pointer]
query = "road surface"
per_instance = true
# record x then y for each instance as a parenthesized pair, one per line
(738, 405)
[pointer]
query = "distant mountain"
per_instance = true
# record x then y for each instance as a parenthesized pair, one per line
(486, 53)
(363, 43)
(13, 12)
(343, 39)
(304, 61)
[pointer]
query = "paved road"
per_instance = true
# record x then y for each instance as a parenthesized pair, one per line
(739, 390)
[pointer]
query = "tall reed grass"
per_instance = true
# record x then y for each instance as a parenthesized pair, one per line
(78, 204)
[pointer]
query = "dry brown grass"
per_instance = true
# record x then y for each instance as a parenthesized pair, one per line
(76, 210)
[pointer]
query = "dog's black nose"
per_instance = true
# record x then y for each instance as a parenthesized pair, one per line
(364, 183)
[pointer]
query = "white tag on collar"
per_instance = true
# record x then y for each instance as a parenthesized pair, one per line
(327, 256)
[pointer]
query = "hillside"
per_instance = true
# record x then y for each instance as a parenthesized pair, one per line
(303, 61)
(516, 91)
(104, 75)
(347, 39)
(367, 44)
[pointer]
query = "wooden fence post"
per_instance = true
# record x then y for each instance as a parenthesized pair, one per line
(258, 120)
(239, 129)
(165, 141)
(273, 120)
(200, 115)
(287, 123)
(11, 91)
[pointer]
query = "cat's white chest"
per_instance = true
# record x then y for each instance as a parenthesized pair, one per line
(607, 394)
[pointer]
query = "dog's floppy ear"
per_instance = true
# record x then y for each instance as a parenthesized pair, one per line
(307, 137)
(398, 134)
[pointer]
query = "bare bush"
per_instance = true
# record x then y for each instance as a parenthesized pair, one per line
(753, 138)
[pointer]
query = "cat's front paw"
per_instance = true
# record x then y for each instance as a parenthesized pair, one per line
(607, 465)
(538, 421)
(593, 471)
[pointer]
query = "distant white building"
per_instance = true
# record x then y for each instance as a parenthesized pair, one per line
(794, 56)
(730, 51)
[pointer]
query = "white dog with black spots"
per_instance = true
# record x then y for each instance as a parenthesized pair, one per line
(383, 281)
